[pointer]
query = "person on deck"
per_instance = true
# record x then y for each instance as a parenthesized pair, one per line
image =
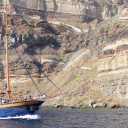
(3, 101)
(35, 97)
(25, 97)
(44, 96)
(30, 97)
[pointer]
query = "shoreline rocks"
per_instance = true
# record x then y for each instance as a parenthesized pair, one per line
(95, 106)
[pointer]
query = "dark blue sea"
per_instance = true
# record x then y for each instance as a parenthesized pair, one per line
(70, 118)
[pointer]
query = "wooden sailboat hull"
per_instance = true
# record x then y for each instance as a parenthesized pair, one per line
(20, 108)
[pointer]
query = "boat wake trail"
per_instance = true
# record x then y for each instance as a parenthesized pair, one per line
(31, 117)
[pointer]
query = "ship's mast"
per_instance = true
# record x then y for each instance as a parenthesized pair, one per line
(7, 58)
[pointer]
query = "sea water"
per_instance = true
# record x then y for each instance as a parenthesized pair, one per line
(70, 118)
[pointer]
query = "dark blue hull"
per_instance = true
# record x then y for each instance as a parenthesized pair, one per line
(20, 109)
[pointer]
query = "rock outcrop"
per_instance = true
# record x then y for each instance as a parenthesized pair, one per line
(79, 11)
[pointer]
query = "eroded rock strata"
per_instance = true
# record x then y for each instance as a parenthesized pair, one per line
(81, 45)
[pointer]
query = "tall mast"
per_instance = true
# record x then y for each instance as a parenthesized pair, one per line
(7, 58)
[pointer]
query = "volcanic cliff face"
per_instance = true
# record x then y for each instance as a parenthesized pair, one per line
(80, 44)
(73, 10)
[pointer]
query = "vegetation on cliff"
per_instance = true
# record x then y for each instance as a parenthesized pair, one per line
(80, 58)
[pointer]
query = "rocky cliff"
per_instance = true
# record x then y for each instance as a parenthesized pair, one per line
(81, 45)
(73, 10)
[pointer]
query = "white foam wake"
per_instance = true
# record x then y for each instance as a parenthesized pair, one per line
(33, 117)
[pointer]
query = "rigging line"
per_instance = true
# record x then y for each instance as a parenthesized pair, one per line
(36, 63)
(40, 69)
(29, 31)
(27, 71)
(32, 41)
(22, 16)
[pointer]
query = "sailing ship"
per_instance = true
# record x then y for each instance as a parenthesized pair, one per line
(17, 108)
